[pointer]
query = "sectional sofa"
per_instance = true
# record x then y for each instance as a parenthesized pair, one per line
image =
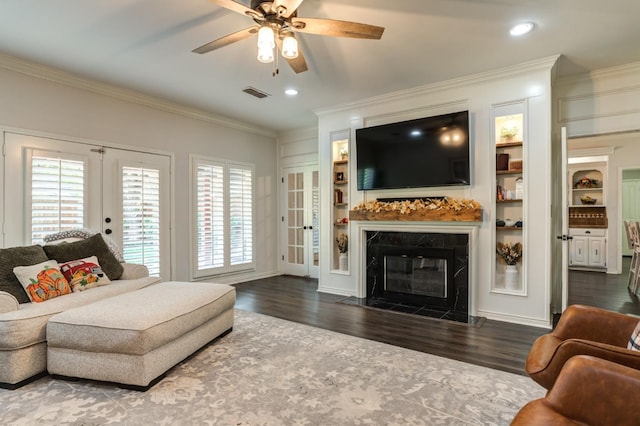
(23, 344)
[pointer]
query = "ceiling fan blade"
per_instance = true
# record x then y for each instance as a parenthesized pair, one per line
(235, 6)
(332, 27)
(226, 40)
(298, 64)
(290, 6)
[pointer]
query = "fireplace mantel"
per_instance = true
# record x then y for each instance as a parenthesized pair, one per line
(466, 215)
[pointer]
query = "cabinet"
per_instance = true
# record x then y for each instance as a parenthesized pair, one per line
(510, 193)
(340, 211)
(587, 249)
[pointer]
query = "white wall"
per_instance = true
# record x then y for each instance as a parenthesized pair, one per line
(605, 101)
(602, 109)
(50, 102)
(529, 83)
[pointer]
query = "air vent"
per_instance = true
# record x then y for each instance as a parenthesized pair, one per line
(255, 92)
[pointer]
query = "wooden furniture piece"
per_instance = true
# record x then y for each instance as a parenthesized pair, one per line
(589, 391)
(582, 330)
(633, 240)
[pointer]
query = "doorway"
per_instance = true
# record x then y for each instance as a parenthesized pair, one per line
(630, 204)
(58, 185)
(300, 230)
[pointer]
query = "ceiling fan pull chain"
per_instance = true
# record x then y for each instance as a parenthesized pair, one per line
(275, 70)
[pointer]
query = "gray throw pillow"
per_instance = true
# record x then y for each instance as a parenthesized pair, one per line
(18, 256)
(92, 246)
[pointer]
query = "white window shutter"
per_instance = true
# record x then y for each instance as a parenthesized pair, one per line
(240, 215)
(210, 216)
(57, 196)
(141, 217)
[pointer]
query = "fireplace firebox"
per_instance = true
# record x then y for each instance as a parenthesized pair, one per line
(415, 272)
(421, 276)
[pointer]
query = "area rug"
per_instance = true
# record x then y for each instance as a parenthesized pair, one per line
(274, 372)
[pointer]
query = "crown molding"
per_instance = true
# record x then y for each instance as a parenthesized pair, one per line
(543, 64)
(604, 73)
(55, 75)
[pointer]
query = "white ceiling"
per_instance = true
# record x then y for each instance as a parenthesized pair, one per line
(145, 45)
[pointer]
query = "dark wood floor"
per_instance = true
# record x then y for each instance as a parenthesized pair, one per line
(494, 344)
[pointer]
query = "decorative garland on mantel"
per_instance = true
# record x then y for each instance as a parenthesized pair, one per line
(445, 209)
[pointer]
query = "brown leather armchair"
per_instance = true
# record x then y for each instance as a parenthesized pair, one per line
(589, 391)
(582, 330)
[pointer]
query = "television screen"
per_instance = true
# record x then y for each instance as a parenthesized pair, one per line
(426, 152)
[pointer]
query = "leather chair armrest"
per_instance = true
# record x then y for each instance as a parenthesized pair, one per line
(600, 325)
(545, 363)
(596, 391)
(8, 303)
(133, 271)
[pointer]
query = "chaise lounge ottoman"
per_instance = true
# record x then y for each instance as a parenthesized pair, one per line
(134, 338)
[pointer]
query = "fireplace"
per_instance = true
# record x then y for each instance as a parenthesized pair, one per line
(420, 276)
(416, 272)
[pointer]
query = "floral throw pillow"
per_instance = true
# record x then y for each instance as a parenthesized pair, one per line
(84, 274)
(42, 281)
(634, 341)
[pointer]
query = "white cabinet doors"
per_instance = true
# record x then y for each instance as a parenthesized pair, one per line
(579, 251)
(300, 236)
(596, 252)
(53, 185)
(588, 248)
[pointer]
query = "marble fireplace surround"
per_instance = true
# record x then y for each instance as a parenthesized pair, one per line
(362, 227)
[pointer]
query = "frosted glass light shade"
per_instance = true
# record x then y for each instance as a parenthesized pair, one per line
(266, 43)
(265, 37)
(265, 54)
(290, 47)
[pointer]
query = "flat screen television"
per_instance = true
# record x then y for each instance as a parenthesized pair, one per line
(426, 152)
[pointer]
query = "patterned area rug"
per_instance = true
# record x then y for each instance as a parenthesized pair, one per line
(274, 372)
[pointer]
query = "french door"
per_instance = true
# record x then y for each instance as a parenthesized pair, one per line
(300, 237)
(53, 185)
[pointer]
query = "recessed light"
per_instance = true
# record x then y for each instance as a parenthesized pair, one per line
(521, 29)
(291, 92)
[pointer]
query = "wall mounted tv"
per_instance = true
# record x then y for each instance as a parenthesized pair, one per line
(427, 152)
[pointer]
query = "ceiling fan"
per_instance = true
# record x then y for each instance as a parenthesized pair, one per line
(277, 22)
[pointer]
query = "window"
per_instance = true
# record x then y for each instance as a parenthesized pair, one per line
(141, 217)
(223, 217)
(57, 194)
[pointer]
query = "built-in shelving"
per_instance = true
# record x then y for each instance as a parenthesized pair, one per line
(509, 141)
(340, 214)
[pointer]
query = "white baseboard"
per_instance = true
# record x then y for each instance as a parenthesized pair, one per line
(337, 291)
(239, 278)
(516, 319)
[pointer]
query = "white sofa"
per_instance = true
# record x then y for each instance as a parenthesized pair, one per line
(23, 345)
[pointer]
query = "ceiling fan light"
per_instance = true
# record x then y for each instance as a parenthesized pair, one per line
(290, 47)
(265, 54)
(265, 37)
